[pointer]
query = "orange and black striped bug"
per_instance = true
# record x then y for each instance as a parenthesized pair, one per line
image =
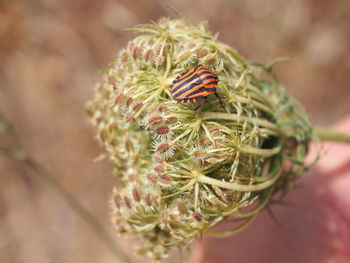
(197, 83)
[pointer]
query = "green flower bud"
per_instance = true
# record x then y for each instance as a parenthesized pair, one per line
(183, 171)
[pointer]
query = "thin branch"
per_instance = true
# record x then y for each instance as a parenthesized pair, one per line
(20, 155)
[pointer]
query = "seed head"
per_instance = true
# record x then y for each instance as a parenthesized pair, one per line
(162, 130)
(124, 56)
(149, 199)
(154, 121)
(171, 120)
(127, 202)
(148, 55)
(136, 194)
(181, 207)
(164, 149)
(159, 60)
(119, 99)
(137, 106)
(129, 102)
(159, 169)
(164, 179)
(197, 216)
(130, 118)
(152, 178)
(202, 52)
(183, 171)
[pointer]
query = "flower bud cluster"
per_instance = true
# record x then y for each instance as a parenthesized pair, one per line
(183, 171)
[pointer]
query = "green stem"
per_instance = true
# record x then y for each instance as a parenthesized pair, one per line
(263, 202)
(275, 173)
(236, 186)
(262, 152)
(238, 118)
(233, 231)
(327, 135)
(256, 104)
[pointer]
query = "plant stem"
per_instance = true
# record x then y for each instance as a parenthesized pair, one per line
(236, 186)
(324, 135)
(73, 203)
(263, 202)
(233, 231)
(262, 152)
(328, 135)
(17, 153)
(79, 209)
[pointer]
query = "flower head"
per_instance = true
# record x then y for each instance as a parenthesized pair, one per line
(183, 171)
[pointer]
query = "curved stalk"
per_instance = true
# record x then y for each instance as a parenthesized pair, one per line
(238, 118)
(256, 104)
(266, 197)
(239, 187)
(262, 152)
(231, 231)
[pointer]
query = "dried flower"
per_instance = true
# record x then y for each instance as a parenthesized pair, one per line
(184, 171)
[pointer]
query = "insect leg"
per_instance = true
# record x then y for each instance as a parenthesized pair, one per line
(222, 105)
(203, 103)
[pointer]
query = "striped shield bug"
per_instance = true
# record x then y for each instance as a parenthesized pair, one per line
(197, 83)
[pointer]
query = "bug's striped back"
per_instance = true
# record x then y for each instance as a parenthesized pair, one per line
(197, 83)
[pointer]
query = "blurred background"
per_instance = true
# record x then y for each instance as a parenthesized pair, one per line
(51, 52)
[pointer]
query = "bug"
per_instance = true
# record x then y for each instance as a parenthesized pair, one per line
(197, 83)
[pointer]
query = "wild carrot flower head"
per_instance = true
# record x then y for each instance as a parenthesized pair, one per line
(183, 171)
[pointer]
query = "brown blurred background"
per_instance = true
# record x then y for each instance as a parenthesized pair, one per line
(50, 55)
